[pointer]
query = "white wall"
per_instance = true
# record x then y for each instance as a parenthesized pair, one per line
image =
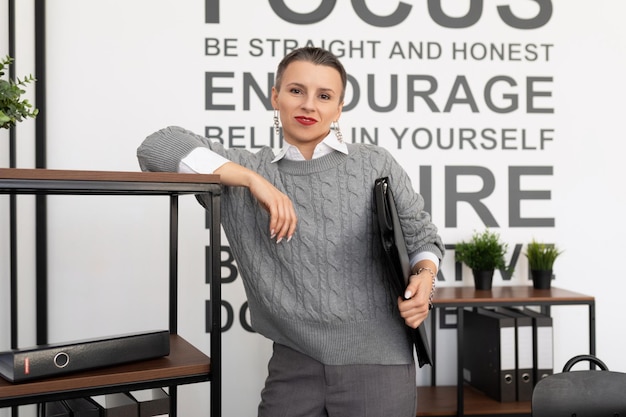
(118, 70)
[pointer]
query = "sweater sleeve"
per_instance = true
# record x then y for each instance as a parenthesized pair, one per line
(163, 150)
(420, 233)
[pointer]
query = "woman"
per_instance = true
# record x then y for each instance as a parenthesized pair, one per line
(301, 228)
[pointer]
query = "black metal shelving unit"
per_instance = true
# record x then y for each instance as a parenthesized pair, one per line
(185, 364)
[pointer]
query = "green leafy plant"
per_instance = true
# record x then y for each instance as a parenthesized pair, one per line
(541, 256)
(483, 252)
(13, 108)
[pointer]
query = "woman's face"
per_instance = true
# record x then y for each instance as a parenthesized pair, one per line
(308, 101)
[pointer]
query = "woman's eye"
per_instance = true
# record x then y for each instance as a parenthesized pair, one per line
(296, 91)
(324, 96)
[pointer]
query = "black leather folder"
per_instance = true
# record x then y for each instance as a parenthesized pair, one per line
(489, 353)
(398, 259)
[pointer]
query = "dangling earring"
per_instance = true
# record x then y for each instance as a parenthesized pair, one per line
(276, 123)
(335, 127)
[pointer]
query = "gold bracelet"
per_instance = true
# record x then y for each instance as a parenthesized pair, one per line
(420, 270)
(432, 289)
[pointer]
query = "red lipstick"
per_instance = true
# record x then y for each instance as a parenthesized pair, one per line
(307, 121)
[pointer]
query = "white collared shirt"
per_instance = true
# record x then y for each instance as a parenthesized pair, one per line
(328, 145)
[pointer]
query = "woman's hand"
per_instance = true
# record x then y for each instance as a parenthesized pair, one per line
(414, 307)
(283, 217)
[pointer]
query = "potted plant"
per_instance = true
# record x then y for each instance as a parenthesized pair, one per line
(541, 257)
(483, 253)
(13, 108)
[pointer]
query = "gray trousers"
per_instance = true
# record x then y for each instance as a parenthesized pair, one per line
(298, 386)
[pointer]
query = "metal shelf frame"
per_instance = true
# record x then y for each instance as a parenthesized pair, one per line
(43, 182)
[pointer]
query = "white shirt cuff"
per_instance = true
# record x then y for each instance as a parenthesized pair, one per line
(201, 161)
(421, 256)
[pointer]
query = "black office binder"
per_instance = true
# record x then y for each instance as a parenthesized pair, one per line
(117, 405)
(524, 342)
(152, 402)
(398, 259)
(543, 351)
(54, 409)
(82, 407)
(40, 361)
(489, 353)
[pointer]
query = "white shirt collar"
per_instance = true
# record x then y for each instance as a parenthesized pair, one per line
(328, 145)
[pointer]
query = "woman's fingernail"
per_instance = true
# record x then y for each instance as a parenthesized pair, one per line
(407, 294)
(279, 240)
(272, 234)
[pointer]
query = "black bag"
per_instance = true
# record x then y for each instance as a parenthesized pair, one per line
(589, 393)
(398, 259)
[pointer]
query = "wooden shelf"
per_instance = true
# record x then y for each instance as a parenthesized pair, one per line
(514, 295)
(51, 181)
(184, 364)
(441, 401)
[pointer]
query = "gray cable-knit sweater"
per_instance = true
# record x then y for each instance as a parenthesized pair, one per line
(325, 292)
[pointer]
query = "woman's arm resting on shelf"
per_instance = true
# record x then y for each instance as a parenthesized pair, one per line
(283, 217)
